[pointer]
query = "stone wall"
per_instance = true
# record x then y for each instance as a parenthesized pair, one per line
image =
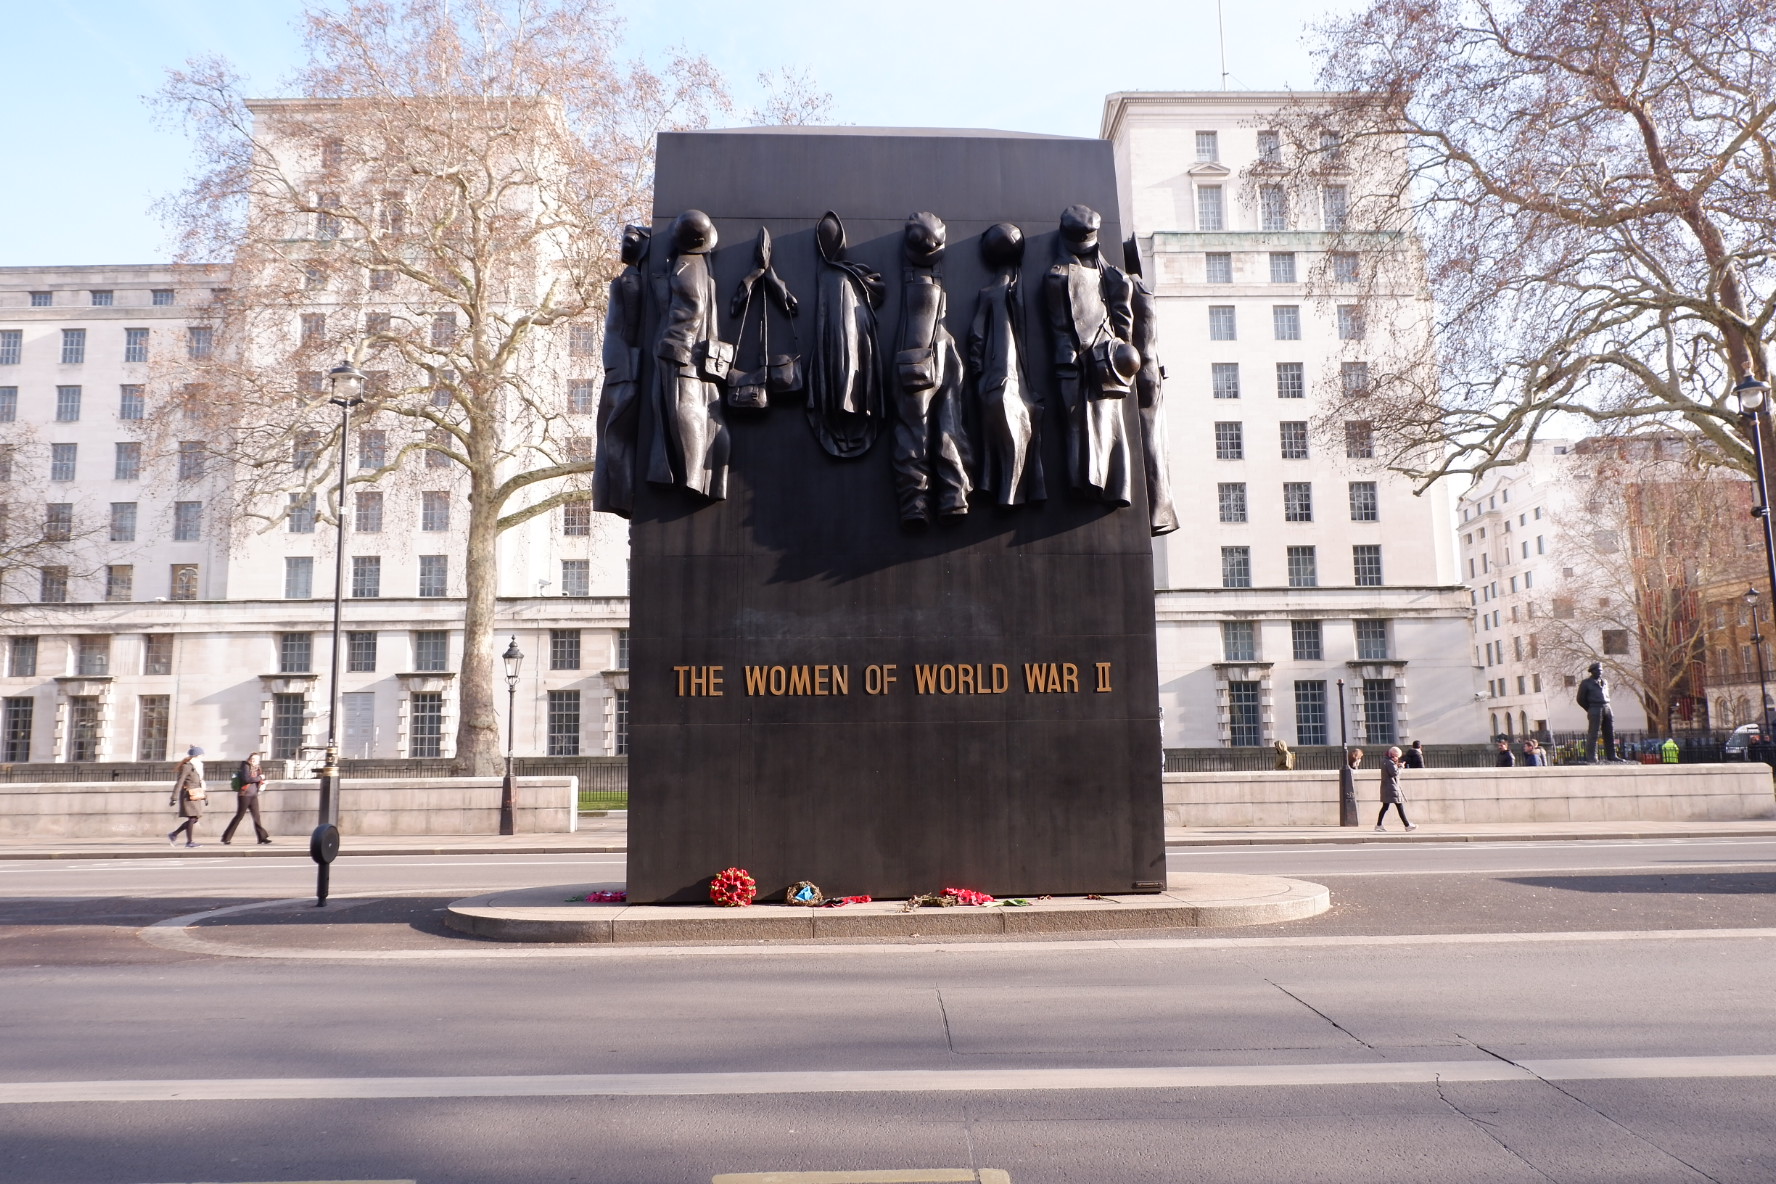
(1567, 793)
(394, 806)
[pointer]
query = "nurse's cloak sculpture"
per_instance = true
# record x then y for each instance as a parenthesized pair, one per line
(844, 378)
(1010, 410)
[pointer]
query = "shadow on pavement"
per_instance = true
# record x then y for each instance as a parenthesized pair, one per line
(1674, 883)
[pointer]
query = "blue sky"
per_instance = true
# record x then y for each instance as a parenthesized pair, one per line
(88, 157)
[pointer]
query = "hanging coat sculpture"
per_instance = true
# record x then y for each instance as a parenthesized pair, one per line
(1009, 409)
(690, 446)
(1090, 322)
(844, 377)
(619, 401)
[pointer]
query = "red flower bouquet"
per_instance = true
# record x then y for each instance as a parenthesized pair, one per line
(733, 887)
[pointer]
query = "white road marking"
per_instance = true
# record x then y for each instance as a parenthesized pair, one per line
(885, 1080)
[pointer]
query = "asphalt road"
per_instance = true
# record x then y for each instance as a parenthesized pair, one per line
(1498, 1012)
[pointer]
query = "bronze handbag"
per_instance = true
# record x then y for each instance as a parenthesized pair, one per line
(916, 368)
(714, 359)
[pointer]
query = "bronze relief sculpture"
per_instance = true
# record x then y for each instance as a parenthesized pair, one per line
(690, 446)
(1150, 394)
(1090, 320)
(844, 378)
(1010, 409)
(775, 373)
(619, 402)
(931, 449)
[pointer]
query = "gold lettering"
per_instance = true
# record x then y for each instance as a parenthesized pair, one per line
(1035, 678)
(925, 679)
(1069, 677)
(799, 682)
(715, 680)
(755, 680)
(965, 680)
(779, 680)
(680, 671)
(820, 680)
(1001, 678)
(889, 678)
(1103, 677)
(841, 679)
(872, 681)
(946, 678)
(699, 680)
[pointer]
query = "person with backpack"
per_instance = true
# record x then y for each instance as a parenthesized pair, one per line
(247, 781)
(188, 796)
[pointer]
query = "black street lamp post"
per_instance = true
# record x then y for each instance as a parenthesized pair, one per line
(1757, 646)
(1754, 398)
(1347, 779)
(347, 384)
(514, 659)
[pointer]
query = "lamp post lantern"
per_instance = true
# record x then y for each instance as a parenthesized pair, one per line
(347, 385)
(1754, 400)
(514, 660)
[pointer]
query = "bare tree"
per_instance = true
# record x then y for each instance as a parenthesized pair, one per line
(440, 207)
(1594, 184)
(45, 546)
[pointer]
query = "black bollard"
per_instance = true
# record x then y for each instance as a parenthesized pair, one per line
(323, 848)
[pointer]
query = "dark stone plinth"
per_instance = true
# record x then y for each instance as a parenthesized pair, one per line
(807, 564)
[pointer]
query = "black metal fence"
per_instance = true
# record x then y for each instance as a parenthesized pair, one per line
(1325, 757)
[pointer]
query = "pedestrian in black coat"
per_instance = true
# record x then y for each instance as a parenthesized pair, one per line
(1415, 755)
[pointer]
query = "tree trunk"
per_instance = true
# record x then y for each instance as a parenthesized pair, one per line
(478, 751)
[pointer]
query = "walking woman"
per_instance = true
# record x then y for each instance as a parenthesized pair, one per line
(247, 784)
(188, 795)
(1390, 791)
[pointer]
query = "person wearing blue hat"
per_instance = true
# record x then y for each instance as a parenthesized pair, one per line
(188, 796)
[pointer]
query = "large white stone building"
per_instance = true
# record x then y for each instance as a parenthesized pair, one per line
(1302, 561)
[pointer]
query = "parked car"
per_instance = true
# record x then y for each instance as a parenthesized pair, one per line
(1739, 744)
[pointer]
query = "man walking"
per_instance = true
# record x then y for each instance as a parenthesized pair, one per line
(247, 784)
(1504, 758)
(1415, 755)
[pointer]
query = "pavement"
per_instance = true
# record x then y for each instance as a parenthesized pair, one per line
(609, 833)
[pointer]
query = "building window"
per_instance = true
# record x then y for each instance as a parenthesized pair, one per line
(1210, 212)
(300, 517)
(1286, 321)
(1232, 498)
(564, 649)
(61, 461)
(1224, 379)
(622, 647)
(576, 577)
(620, 723)
(157, 653)
(434, 575)
(1353, 379)
(1230, 441)
(289, 714)
(12, 345)
(1350, 322)
(1239, 641)
(83, 728)
(92, 655)
(1344, 267)
(1335, 206)
(431, 650)
(1310, 712)
(372, 448)
(443, 330)
(360, 652)
(1222, 323)
(188, 522)
(73, 347)
(9, 402)
(1366, 562)
(15, 729)
(126, 464)
(120, 583)
(123, 522)
(378, 324)
(564, 723)
(582, 396)
(1615, 643)
(22, 657)
(1359, 439)
(1270, 148)
(366, 577)
(295, 653)
(1304, 568)
(6, 458)
(1273, 214)
(367, 512)
(1291, 381)
(200, 342)
(382, 279)
(305, 446)
(425, 724)
(1236, 567)
(67, 404)
(298, 577)
(327, 225)
(1298, 503)
(58, 522)
(582, 341)
(434, 510)
(576, 519)
(1244, 724)
(1365, 502)
(184, 581)
(1293, 436)
(52, 585)
(1218, 267)
(1378, 711)
(153, 723)
(1282, 267)
(437, 456)
(41, 299)
(1372, 640)
(1306, 641)
(130, 403)
(135, 345)
(191, 460)
(1208, 146)
(161, 297)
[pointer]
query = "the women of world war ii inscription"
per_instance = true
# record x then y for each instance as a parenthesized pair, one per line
(886, 413)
